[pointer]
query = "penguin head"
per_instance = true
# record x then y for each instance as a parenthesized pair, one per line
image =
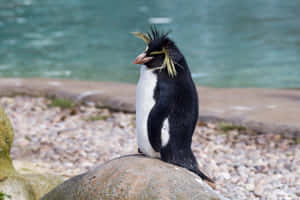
(161, 52)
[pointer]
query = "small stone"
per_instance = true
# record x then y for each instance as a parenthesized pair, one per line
(259, 188)
(73, 111)
(3, 178)
(35, 147)
(23, 142)
(260, 168)
(225, 175)
(250, 187)
(202, 124)
(90, 104)
(277, 137)
(63, 118)
(212, 126)
(68, 164)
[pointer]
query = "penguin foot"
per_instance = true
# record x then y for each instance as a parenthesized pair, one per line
(211, 184)
(140, 152)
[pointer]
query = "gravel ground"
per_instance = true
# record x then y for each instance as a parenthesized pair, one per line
(245, 165)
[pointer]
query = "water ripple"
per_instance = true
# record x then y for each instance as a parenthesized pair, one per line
(57, 73)
(160, 20)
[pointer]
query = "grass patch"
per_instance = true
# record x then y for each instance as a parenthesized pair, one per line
(100, 106)
(28, 138)
(226, 127)
(98, 117)
(3, 196)
(61, 103)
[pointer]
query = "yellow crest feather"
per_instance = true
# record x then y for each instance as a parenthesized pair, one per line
(142, 36)
(168, 62)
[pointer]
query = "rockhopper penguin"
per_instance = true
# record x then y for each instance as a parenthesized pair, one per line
(166, 103)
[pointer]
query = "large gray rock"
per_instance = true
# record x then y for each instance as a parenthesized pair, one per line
(134, 177)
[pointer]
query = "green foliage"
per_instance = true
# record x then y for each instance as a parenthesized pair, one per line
(226, 127)
(99, 106)
(3, 195)
(6, 140)
(62, 103)
(98, 117)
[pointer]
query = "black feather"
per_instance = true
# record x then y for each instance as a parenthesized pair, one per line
(155, 34)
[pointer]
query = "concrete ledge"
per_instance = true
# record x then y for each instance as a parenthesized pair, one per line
(263, 110)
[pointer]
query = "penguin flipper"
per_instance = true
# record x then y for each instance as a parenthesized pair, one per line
(155, 123)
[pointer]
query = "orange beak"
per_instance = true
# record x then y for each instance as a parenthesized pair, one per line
(141, 59)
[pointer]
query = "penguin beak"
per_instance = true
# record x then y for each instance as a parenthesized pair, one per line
(141, 59)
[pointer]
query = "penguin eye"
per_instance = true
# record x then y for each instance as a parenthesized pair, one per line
(147, 47)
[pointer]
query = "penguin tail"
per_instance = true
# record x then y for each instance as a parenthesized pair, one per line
(185, 159)
(205, 178)
(202, 175)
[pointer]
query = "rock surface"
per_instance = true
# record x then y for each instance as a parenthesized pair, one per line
(29, 186)
(134, 177)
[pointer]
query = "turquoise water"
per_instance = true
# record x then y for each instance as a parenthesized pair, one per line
(229, 43)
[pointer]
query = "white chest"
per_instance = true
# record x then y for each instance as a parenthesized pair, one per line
(144, 103)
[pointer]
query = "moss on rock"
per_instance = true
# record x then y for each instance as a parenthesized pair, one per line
(42, 183)
(6, 140)
(29, 186)
(19, 186)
